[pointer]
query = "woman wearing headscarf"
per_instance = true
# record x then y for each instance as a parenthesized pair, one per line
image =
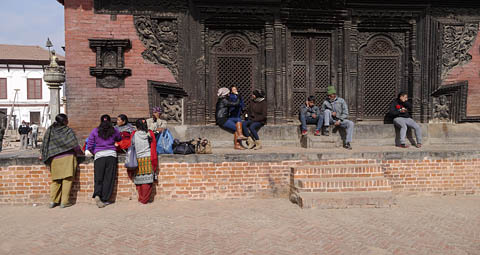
(146, 150)
(59, 150)
(125, 130)
(223, 119)
(257, 117)
(102, 139)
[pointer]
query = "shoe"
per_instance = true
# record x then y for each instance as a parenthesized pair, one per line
(304, 132)
(325, 131)
(107, 203)
(99, 202)
(258, 145)
(52, 205)
(317, 133)
(239, 131)
(402, 145)
(250, 143)
(418, 145)
(347, 146)
(236, 142)
(66, 205)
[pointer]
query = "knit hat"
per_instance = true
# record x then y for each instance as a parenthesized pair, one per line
(258, 93)
(223, 92)
(331, 90)
(157, 109)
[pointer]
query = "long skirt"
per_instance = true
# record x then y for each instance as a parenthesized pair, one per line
(62, 171)
(144, 179)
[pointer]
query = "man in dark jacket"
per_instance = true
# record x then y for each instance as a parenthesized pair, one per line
(400, 111)
(311, 114)
(23, 130)
(223, 119)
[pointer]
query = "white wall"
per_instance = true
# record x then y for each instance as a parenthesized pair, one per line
(17, 79)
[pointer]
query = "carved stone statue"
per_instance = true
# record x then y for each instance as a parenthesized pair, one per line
(172, 110)
(53, 59)
(442, 110)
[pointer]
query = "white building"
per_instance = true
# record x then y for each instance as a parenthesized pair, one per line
(21, 73)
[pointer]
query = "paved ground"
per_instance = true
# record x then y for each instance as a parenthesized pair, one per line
(419, 225)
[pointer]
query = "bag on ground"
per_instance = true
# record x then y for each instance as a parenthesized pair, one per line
(165, 143)
(183, 148)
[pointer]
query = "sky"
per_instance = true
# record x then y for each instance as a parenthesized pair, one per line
(31, 22)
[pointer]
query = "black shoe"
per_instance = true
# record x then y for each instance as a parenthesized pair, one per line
(347, 146)
(66, 205)
(52, 205)
(325, 131)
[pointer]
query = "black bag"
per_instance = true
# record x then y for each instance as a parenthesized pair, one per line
(183, 148)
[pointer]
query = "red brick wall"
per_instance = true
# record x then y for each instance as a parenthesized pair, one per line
(181, 181)
(471, 73)
(86, 102)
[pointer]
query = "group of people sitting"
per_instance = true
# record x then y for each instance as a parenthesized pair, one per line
(229, 110)
(60, 149)
(334, 111)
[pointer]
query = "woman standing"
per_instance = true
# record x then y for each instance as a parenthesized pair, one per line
(223, 118)
(59, 150)
(146, 150)
(257, 117)
(125, 130)
(102, 139)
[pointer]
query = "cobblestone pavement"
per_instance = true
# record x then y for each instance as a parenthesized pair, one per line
(417, 225)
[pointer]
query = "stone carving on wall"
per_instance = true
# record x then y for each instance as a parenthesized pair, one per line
(364, 37)
(457, 41)
(172, 108)
(109, 69)
(441, 111)
(160, 38)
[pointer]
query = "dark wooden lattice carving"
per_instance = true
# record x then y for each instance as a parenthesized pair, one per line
(379, 78)
(234, 64)
(311, 55)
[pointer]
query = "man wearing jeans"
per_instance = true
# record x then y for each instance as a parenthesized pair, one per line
(336, 112)
(400, 111)
(23, 130)
(310, 114)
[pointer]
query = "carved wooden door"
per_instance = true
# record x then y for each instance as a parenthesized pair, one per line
(234, 63)
(380, 78)
(311, 65)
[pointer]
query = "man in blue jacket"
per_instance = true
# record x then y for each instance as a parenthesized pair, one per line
(335, 111)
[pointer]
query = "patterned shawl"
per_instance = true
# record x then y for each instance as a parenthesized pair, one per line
(57, 140)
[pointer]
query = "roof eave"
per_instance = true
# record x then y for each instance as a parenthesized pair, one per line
(61, 2)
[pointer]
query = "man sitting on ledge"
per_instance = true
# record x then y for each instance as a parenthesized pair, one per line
(336, 112)
(310, 114)
(400, 111)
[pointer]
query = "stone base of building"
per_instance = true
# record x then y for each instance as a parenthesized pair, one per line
(26, 181)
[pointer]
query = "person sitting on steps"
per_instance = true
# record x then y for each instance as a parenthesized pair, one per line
(400, 111)
(311, 114)
(335, 111)
(257, 117)
(223, 119)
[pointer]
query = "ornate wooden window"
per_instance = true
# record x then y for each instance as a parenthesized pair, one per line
(380, 77)
(311, 55)
(235, 64)
(34, 88)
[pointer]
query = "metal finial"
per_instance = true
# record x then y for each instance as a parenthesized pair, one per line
(49, 43)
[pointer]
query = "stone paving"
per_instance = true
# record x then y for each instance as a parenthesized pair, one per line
(417, 225)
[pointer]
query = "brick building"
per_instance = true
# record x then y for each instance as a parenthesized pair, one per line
(21, 69)
(127, 56)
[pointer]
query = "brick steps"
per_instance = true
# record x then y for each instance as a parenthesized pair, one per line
(343, 200)
(340, 186)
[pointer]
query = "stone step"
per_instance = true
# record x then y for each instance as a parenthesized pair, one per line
(342, 184)
(353, 169)
(343, 200)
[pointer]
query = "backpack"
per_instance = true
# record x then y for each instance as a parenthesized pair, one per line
(165, 143)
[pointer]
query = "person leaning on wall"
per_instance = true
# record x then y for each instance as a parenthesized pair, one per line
(59, 151)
